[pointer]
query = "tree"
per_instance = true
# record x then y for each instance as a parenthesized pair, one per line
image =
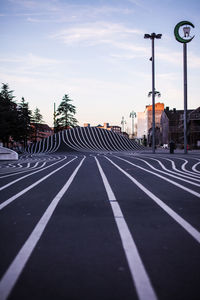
(65, 113)
(24, 122)
(37, 119)
(8, 114)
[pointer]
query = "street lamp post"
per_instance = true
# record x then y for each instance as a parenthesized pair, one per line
(153, 36)
(123, 122)
(132, 115)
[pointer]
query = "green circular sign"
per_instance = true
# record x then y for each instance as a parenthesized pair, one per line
(187, 30)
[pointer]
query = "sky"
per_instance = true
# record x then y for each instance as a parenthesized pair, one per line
(95, 51)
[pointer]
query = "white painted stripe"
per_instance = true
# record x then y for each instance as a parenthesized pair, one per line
(21, 172)
(15, 269)
(184, 164)
(8, 201)
(35, 165)
(160, 176)
(109, 191)
(182, 174)
(139, 275)
(163, 172)
(187, 226)
(25, 176)
(20, 166)
(188, 173)
(194, 168)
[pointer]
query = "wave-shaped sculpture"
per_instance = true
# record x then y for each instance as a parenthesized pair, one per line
(84, 139)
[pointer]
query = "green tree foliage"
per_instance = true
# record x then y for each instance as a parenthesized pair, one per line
(8, 114)
(24, 121)
(37, 119)
(65, 114)
(15, 118)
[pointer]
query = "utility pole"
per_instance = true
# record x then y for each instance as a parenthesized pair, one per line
(132, 116)
(123, 122)
(153, 36)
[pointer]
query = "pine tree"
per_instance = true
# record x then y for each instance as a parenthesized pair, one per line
(65, 113)
(8, 114)
(24, 121)
(37, 119)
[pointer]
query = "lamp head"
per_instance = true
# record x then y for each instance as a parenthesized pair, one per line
(158, 36)
(147, 36)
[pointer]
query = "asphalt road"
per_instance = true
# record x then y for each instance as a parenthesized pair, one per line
(103, 226)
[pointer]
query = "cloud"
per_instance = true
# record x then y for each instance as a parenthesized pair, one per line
(193, 60)
(132, 47)
(61, 11)
(36, 5)
(176, 58)
(30, 60)
(31, 65)
(170, 56)
(95, 33)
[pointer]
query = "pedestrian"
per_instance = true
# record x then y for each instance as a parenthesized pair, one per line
(171, 146)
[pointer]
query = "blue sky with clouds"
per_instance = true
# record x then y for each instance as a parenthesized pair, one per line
(95, 51)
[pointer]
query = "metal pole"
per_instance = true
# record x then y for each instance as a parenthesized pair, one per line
(153, 98)
(185, 94)
(132, 125)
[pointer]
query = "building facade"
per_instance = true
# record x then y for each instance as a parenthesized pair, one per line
(145, 120)
(114, 128)
(172, 127)
(40, 131)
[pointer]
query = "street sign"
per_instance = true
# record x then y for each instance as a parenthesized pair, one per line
(186, 31)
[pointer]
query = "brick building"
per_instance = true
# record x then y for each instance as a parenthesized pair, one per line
(40, 131)
(172, 127)
(114, 128)
(144, 122)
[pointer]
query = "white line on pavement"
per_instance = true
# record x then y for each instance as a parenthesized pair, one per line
(8, 201)
(189, 228)
(15, 269)
(18, 179)
(139, 275)
(163, 172)
(160, 176)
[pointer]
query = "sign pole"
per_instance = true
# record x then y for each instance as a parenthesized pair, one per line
(184, 40)
(185, 95)
(153, 98)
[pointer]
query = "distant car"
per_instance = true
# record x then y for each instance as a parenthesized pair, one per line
(165, 146)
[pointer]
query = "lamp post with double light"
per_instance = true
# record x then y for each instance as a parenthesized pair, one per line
(132, 116)
(123, 122)
(152, 37)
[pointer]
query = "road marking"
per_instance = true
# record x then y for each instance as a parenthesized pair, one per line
(8, 201)
(187, 226)
(188, 181)
(194, 168)
(160, 176)
(139, 275)
(15, 269)
(18, 179)
(188, 173)
(179, 173)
